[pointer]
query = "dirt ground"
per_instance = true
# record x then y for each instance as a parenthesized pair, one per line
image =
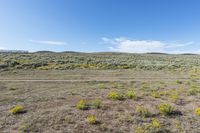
(50, 101)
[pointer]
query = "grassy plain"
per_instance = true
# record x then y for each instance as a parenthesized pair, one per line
(100, 92)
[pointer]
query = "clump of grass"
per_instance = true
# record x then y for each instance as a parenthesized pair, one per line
(142, 111)
(179, 82)
(82, 105)
(131, 95)
(92, 119)
(115, 96)
(96, 103)
(174, 97)
(140, 129)
(197, 111)
(166, 109)
(155, 94)
(17, 109)
(193, 91)
(127, 117)
(154, 126)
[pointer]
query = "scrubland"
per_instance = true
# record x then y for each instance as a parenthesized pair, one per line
(99, 92)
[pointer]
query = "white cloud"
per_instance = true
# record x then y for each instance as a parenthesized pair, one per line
(141, 46)
(2, 48)
(48, 42)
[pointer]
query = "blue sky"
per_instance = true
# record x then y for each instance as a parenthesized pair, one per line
(171, 26)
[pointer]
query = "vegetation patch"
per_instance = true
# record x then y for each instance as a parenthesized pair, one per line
(17, 109)
(131, 95)
(92, 119)
(142, 111)
(166, 109)
(96, 103)
(82, 105)
(115, 96)
(197, 111)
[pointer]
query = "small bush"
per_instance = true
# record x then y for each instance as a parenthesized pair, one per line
(131, 95)
(17, 109)
(92, 119)
(165, 109)
(115, 96)
(82, 105)
(197, 111)
(96, 103)
(142, 111)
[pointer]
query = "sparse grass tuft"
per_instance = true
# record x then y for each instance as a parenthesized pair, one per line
(155, 94)
(197, 111)
(165, 109)
(131, 95)
(96, 103)
(193, 91)
(115, 96)
(179, 82)
(17, 109)
(154, 126)
(92, 119)
(173, 97)
(142, 111)
(82, 105)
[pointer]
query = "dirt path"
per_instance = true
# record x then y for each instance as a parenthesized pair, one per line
(94, 79)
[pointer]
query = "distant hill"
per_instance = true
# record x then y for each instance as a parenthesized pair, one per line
(13, 51)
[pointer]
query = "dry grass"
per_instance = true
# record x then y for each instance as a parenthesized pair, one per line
(52, 106)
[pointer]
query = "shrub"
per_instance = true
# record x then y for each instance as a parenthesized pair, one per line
(82, 105)
(17, 109)
(131, 95)
(92, 119)
(115, 96)
(96, 103)
(197, 111)
(165, 109)
(142, 111)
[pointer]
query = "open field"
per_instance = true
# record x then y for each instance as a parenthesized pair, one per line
(160, 94)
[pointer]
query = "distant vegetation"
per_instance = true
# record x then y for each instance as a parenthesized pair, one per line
(46, 60)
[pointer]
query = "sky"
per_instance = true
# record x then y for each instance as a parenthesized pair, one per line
(134, 26)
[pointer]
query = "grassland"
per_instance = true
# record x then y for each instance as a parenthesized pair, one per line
(99, 92)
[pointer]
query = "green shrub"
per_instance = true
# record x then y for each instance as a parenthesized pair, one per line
(115, 96)
(197, 111)
(17, 109)
(96, 103)
(131, 95)
(82, 105)
(165, 109)
(142, 111)
(92, 119)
